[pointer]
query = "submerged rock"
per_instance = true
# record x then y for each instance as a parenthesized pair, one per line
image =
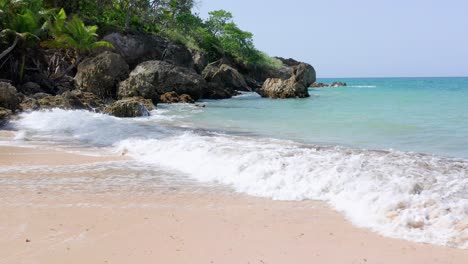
(338, 84)
(173, 97)
(151, 79)
(8, 96)
(130, 107)
(319, 85)
(101, 74)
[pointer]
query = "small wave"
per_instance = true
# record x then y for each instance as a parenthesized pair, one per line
(409, 196)
(363, 86)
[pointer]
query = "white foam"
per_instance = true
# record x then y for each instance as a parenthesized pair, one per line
(402, 195)
(420, 198)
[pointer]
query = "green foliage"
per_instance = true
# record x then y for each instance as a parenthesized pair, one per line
(73, 34)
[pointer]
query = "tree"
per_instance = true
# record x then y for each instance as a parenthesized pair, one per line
(75, 35)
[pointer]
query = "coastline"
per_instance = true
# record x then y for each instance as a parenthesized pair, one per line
(177, 226)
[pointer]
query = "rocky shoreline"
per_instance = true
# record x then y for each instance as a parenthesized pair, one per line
(143, 70)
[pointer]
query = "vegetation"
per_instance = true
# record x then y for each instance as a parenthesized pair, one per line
(30, 24)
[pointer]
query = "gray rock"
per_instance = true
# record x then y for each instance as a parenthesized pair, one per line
(137, 48)
(8, 96)
(225, 76)
(130, 107)
(101, 74)
(4, 115)
(151, 79)
(30, 88)
(338, 84)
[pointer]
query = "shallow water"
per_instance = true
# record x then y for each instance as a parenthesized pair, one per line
(345, 146)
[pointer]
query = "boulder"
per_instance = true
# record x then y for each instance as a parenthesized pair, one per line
(30, 88)
(225, 76)
(130, 107)
(4, 115)
(303, 75)
(75, 99)
(8, 96)
(338, 84)
(151, 79)
(213, 91)
(173, 97)
(279, 88)
(101, 74)
(137, 48)
(319, 85)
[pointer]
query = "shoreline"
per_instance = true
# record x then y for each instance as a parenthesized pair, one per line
(177, 226)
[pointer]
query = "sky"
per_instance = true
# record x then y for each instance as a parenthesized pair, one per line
(358, 38)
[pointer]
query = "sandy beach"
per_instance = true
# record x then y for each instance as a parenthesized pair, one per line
(177, 226)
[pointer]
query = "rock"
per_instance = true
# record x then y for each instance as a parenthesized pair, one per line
(225, 76)
(338, 84)
(200, 61)
(130, 107)
(279, 88)
(303, 75)
(213, 91)
(66, 83)
(137, 48)
(151, 79)
(319, 85)
(40, 95)
(4, 115)
(29, 104)
(8, 96)
(68, 100)
(101, 74)
(30, 88)
(173, 97)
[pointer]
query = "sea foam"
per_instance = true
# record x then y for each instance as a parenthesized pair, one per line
(403, 195)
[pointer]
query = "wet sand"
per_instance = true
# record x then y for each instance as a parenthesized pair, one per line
(174, 226)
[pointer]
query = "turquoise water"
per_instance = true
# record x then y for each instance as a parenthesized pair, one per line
(426, 115)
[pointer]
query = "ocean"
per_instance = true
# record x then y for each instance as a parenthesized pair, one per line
(391, 154)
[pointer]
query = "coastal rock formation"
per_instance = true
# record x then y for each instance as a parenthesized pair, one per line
(173, 97)
(296, 86)
(151, 79)
(101, 74)
(130, 107)
(338, 84)
(68, 100)
(8, 96)
(200, 61)
(4, 115)
(214, 91)
(30, 88)
(225, 76)
(319, 85)
(137, 48)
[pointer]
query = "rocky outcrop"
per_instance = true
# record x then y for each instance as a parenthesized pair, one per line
(69, 100)
(151, 79)
(130, 107)
(295, 87)
(173, 97)
(319, 85)
(225, 76)
(101, 74)
(4, 115)
(200, 61)
(279, 88)
(137, 48)
(30, 88)
(338, 84)
(8, 96)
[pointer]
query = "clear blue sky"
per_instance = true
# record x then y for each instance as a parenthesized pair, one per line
(359, 38)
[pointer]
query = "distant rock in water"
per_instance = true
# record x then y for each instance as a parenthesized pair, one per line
(338, 84)
(295, 87)
(130, 107)
(173, 97)
(319, 85)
